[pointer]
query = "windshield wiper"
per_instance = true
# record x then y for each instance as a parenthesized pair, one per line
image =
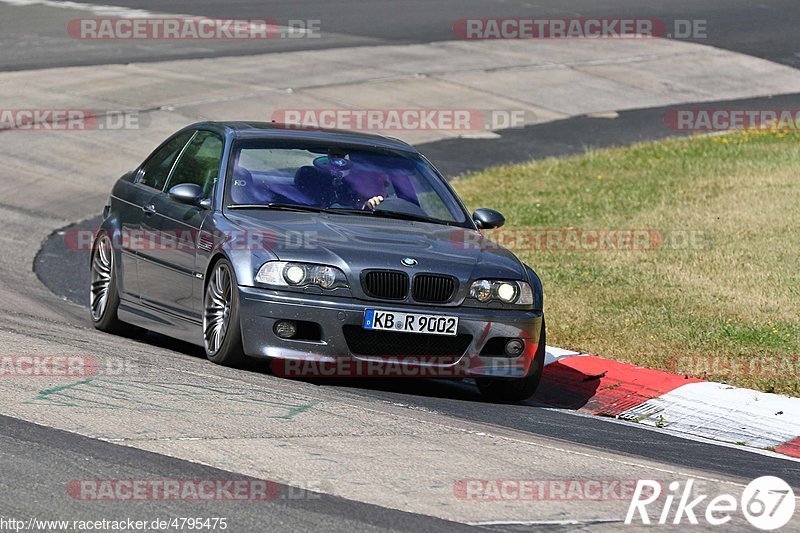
(282, 207)
(342, 210)
(388, 214)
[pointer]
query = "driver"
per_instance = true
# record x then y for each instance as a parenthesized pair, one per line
(376, 189)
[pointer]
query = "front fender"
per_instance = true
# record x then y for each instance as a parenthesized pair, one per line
(240, 247)
(536, 286)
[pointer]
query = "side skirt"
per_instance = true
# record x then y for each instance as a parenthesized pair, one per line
(161, 322)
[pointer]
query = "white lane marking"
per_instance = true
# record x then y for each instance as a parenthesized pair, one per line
(677, 434)
(721, 412)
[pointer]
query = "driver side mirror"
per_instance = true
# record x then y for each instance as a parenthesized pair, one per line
(189, 194)
(488, 218)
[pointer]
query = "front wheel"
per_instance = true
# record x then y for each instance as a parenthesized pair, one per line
(519, 389)
(222, 333)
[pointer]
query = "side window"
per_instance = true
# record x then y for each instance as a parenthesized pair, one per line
(155, 171)
(200, 162)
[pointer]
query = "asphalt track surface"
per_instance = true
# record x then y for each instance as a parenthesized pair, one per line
(46, 460)
(40, 460)
(36, 39)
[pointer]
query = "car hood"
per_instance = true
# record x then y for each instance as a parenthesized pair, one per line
(354, 243)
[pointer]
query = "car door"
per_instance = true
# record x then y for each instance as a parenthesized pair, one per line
(136, 202)
(168, 271)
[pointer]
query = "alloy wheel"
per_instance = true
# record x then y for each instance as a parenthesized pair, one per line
(102, 275)
(217, 312)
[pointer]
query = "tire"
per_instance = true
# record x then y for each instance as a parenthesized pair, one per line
(516, 390)
(222, 332)
(103, 293)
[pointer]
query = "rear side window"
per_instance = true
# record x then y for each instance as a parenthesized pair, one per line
(200, 162)
(155, 171)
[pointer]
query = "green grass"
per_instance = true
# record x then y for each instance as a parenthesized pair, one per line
(718, 298)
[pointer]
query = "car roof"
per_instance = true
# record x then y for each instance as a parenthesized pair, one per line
(274, 130)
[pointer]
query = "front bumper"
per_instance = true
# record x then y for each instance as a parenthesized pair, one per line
(259, 309)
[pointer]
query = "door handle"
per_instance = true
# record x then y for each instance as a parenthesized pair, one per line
(149, 209)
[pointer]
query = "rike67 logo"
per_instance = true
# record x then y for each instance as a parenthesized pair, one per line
(767, 503)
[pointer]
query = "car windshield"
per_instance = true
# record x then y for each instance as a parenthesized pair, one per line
(339, 179)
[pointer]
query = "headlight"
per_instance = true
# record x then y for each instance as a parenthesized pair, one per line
(294, 274)
(481, 290)
(283, 274)
(507, 292)
(510, 292)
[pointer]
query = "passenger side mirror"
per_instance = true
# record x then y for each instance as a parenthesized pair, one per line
(488, 218)
(189, 194)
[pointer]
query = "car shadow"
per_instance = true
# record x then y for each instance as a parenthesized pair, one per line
(464, 390)
(561, 387)
(565, 388)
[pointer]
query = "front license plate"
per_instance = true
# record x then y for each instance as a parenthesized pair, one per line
(410, 322)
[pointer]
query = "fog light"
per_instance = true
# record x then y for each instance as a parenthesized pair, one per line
(285, 329)
(515, 347)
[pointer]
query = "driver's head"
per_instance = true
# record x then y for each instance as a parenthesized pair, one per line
(369, 184)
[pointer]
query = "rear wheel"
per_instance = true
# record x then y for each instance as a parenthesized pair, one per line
(103, 294)
(516, 390)
(222, 334)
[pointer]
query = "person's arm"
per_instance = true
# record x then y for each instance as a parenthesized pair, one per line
(373, 202)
